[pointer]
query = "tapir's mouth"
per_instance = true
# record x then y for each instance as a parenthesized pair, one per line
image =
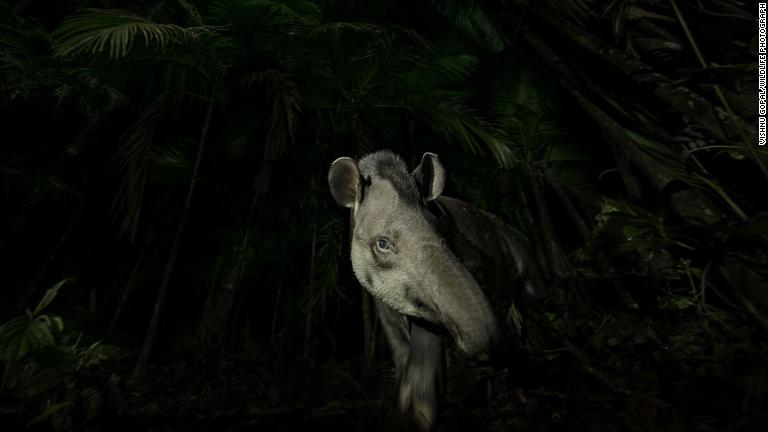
(435, 328)
(441, 331)
(469, 340)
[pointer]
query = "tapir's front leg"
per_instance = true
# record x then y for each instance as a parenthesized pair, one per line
(395, 329)
(419, 357)
(422, 385)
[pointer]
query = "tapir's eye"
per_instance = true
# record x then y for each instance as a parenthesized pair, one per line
(383, 244)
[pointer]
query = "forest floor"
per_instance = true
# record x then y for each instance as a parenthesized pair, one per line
(254, 394)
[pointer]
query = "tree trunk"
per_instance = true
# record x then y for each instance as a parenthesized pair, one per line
(43, 269)
(310, 304)
(721, 123)
(277, 295)
(576, 218)
(132, 281)
(233, 293)
(551, 242)
(140, 370)
(658, 175)
(537, 243)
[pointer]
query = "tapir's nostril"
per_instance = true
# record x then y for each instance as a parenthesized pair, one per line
(419, 305)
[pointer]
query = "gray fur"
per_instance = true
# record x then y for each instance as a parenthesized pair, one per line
(386, 165)
(427, 273)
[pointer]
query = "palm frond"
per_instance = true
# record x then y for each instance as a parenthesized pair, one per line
(49, 296)
(32, 331)
(13, 51)
(40, 381)
(449, 117)
(169, 166)
(301, 11)
(663, 156)
(337, 28)
(471, 19)
(194, 15)
(116, 32)
(441, 71)
(283, 121)
(286, 107)
(85, 88)
(288, 15)
(132, 162)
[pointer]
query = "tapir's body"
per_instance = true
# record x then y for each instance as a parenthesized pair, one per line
(423, 257)
(489, 248)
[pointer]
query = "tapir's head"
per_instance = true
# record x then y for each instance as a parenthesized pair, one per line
(399, 256)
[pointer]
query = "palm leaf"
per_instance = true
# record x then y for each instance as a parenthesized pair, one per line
(305, 12)
(132, 160)
(23, 335)
(116, 32)
(49, 296)
(41, 381)
(259, 15)
(49, 411)
(84, 87)
(441, 71)
(337, 28)
(449, 117)
(471, 19)
(286, 107)
(170, 166)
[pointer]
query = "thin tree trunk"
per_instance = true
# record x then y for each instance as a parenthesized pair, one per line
(140, 370)
(230, 290)
(277, 308)
(235, 295)
(225, 297)
(576, 218)
(129, 287)
(43, 269)
(277, 296)
(719, 121)
(657, 175)
(536, 241)
(310, 305)
(551, 243)
(679, 97)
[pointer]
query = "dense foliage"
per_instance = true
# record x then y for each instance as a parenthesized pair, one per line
(163, 168)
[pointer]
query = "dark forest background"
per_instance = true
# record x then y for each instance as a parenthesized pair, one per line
(172, 258)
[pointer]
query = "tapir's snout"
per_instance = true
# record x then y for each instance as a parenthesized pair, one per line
(458, 302)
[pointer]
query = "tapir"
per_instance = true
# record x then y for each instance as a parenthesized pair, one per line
(420, 255)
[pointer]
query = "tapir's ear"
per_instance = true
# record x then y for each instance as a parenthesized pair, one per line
(344, 181)
(430, 177)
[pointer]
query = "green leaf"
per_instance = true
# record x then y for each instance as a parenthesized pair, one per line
(24, 335)
(471, 19)
(41, 382)
(49, 296)
(49, 411)
(337, 28)
(58, 322)
(116, 32)
(305, 12)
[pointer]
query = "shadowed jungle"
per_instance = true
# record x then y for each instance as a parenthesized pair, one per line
(173, 260)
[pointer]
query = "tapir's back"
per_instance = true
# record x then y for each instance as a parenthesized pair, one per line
(487, 246)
